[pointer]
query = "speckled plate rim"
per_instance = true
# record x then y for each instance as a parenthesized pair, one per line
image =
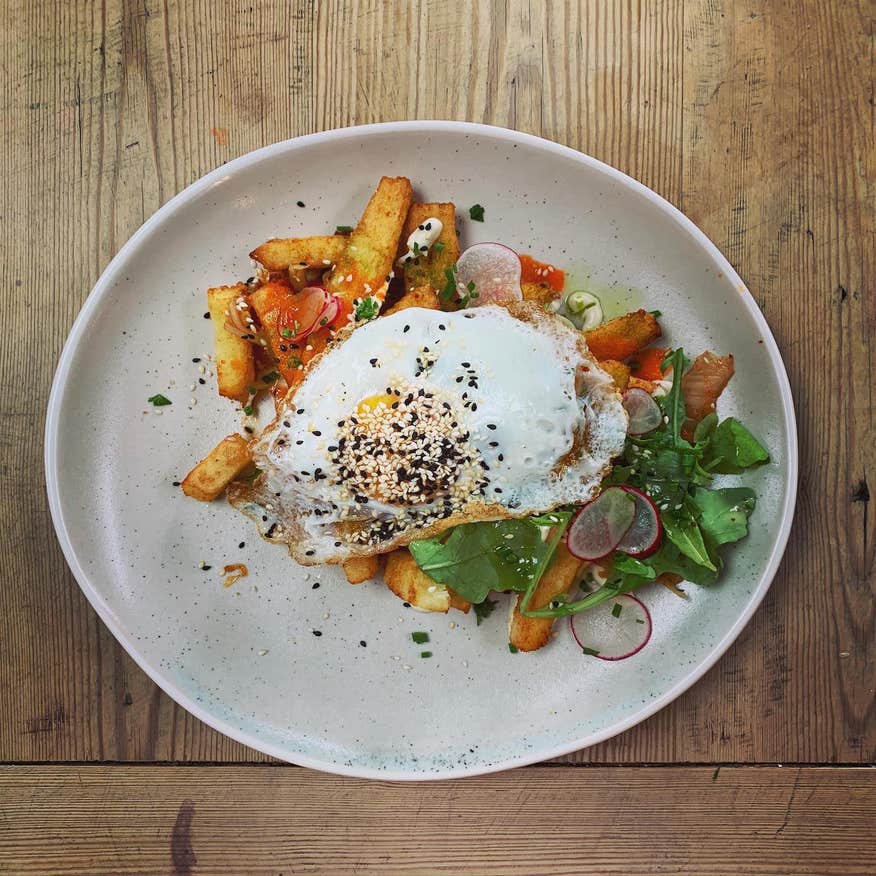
(116, 266)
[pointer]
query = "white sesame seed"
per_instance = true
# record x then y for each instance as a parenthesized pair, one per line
(407, 666)
(452, 625)
(263, 652)
(202, 369)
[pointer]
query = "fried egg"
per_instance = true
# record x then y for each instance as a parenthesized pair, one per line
(422, 420)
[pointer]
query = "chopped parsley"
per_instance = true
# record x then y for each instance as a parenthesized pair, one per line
(476, 212)
(513, 648)
(420, 637)
(366, 308)
(657, 313)
(425, 653)
(159, 400)
(590, 652)
(438, 246)
(616, 610)
(449, 290)
(286, 333)
(343, 229)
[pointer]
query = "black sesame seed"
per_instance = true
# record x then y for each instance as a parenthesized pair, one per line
(465, 364)
(270, 532)
(363, 643)
(406, 604)
(309, 553)
(300, 203)
(337, 544)
(317, 433)
(317, 633)
(315, 585)
(491, 425)
(300, 411)
(176, 483)
(287, 424)
(500, 457)
(206, 568)
(442, 327)
(299, 442)
(242, 544)
(407, 328)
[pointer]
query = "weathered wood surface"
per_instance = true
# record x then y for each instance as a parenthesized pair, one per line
(271, 820)
(755, 117)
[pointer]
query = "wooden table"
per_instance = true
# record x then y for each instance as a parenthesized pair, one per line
(755, 118)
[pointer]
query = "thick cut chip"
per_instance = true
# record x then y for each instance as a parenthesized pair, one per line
(283, 253)
(235, 363)
(621, 337)
(226, 461)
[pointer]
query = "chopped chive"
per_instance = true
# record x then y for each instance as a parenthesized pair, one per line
(657, 313)
(476, 212)
(159, 400)
(420, 637)
(513, 648)
(270, 377)
(247, 409)
(639, 620)
(425, 653)
(591, 652)
(286, 333)
(616, 609)
(343, 229)
(438, 246)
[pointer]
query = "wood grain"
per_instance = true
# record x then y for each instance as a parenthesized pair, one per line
(755, 117)
(595, 820)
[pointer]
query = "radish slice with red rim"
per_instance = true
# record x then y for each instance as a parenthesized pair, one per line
(614, 629)
(493, 270)
(645, 414)
(643, 536)
(601, 524)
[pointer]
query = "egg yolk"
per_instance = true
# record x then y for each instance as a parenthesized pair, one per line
(373, 401)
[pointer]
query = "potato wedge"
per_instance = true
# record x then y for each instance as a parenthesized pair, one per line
(423, 296)
(457, 602)
(618, 372)
(532, 633)
(405, 579)
(541, 293)
(623, 336)
(360, 569)
(283, 253)
(430, 270)
(363, 268)
(235, 362)
(228, 459)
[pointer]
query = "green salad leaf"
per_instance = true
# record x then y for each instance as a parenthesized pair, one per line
(724, 513)
(476, 558)
(732, 448)
(684, 532)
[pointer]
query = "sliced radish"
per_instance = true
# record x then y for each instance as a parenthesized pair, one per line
(643, 536)
(645, 414)
(494, 272)
(610, 632)
(312, 305)
(600, 525)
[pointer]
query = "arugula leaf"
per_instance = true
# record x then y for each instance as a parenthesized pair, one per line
(732, 448)
(673, 401)
(476, 558)
(484, 609)
(631, 566)
(682, 530)
(724, 513)
(705, 427)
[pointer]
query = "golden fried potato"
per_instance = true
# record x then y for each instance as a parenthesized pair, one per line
(429, 270)
(359, 569)
(541, 293)
(638, 383)
(457, 602)
(422, 296)
(235, 364)
(618, 372)
(623, 336)
(363, 268)
(226, 461)
(283, 253)
(532, 633)
(408, 582)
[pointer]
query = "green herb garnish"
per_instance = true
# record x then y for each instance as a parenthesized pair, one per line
(438, 246)
(159, 400)
(590, 652)
(513, 648)
(484, 609)
(247, 409)
(616, 610)
(343, 229)
(425, 653)
(270, 377)
(657, 313)
(449, 290)
(476, 212)
(420, 637)
(367, 308)
(286, 333)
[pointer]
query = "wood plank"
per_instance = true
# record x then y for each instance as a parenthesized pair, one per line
(269, 820)
(752, 116)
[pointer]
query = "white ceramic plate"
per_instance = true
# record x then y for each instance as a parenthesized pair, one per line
(245, 659)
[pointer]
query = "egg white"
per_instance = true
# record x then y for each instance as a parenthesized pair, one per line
(541, 415)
